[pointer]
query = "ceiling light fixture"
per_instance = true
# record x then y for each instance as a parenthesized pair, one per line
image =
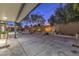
(4, 18)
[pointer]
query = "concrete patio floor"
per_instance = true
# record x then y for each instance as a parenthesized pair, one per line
(40, 45)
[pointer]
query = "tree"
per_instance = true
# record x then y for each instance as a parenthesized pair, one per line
(60, 15)
(52, 20)
(68, 13)
(76, 6)
(37, 19)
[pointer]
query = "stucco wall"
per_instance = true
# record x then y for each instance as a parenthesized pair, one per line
(69, 29)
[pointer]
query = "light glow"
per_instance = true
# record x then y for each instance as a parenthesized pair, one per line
(4, 18)
(48, 28)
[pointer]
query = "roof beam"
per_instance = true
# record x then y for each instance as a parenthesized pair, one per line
(20, 10)
(31, 11)
(28, 9)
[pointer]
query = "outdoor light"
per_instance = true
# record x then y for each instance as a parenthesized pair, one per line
(48, 28)
(4, 18)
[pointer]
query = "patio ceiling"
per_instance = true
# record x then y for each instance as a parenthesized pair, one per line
(9, 10)
(15, 11)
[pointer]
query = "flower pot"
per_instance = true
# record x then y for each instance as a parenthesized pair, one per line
(3, 36)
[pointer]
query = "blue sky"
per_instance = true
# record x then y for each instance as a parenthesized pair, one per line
(45, 9)
(10, 23)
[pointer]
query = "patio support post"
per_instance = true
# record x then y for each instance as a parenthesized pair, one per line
(15, 31)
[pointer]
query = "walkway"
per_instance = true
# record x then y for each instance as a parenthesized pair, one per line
(39, 45)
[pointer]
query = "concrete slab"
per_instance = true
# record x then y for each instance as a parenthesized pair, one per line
(39, 45)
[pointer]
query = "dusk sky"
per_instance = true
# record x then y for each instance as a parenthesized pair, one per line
(45, 9)
(10, 23)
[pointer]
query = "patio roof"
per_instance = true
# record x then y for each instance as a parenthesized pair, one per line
(15, 11)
